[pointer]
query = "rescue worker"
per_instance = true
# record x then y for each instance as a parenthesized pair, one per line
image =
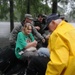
(62, 47)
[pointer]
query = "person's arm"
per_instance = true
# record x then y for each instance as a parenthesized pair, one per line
(13, 34)
(37, 33)
(59, 56)
(22, 43)
(33, 42)
(37, 27)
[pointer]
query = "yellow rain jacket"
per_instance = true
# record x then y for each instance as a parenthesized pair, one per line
(62, 50)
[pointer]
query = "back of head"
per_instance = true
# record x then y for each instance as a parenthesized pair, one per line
(40, 15)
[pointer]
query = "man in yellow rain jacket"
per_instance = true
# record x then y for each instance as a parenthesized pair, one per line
(62, 50)
(62, 47)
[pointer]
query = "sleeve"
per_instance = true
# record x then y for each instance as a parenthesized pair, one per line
(37, 33)
(21, 41)
(13, 34)
(59, 56)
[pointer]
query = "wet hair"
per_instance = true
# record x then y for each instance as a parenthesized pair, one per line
(27, 25)
(40, 15)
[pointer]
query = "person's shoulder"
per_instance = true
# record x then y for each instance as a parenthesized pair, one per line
(19, 25)
(18, 28)
(20, 33)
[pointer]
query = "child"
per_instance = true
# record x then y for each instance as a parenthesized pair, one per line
(25, 40)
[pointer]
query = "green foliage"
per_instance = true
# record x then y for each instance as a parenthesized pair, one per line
(38, 7)
(4, 9)
(20, 9)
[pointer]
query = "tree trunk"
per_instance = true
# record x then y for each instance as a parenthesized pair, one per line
(46, 5)
(54, 7)
(11, 15)
(28, 6)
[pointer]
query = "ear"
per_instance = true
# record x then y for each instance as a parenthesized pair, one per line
(53, 22)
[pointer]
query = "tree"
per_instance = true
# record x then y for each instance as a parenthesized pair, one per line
(68, 7)
(4, 9)
(35, 7)
(21, 7)
(11, 15)
(38, 7)
(28, 6)
(54, 6)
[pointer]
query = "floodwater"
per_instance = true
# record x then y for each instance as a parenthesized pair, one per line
(5, 31)
(5, 28)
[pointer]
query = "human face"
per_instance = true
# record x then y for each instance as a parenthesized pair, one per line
(27, 30)
(40, 18)
(28, 20)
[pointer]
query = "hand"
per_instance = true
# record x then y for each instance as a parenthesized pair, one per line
(34, 43)
(37, 27)
(47, 37)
